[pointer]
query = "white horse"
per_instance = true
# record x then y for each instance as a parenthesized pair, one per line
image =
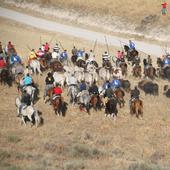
(73, 91)
(84, 98)
(104, 74)
(59, 78)
(30, 112)
(35, 65)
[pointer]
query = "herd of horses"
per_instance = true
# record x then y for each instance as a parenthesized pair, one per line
(89, 72)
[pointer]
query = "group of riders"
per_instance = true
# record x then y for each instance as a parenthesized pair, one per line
(10, 56)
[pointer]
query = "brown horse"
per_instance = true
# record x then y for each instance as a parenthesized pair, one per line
(123, 67)
(56, 66)
(136, 108)
(96, 102)
(59, 106)
(150, 72)
(119, 93)
(43, 63)
(137, 71)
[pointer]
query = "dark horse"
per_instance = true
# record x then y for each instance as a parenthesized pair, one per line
(150, 72)
(81, 63)
(96, 102)
(130, 54)
(111, 107)
(6, 77)
(60, 107)
(136, 108)
(56, 66)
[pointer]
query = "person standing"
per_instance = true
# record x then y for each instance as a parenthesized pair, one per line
(164, 8)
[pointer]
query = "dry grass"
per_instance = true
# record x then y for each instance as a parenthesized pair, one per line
(55, 145)
(133, 10)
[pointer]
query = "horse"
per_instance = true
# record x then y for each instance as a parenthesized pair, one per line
(17, 72)
(81, 63)
(137, 71)
(111, 107)
(107, 64)
(29, 112)
(6, 77)
(119, 94)
(123, 67)
(136, 108)
(59, 106)
(56, 66)
(84, 99)
(59, 78)
(35, 65)
(104, 73)
(73, 91)
(74, 59)
(166, 72)
(125, 85)
(130, 54)
(96, 102)
(150, 72)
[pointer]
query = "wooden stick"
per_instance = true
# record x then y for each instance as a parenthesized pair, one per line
(95, 43)
(61, 45)
(106, 44)
(28, 47)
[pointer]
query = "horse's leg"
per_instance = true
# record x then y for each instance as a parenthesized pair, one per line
(23, 120)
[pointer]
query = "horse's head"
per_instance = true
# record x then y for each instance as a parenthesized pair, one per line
(126, 48)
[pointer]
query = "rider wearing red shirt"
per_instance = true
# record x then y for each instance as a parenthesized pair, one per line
(2, 63)
(39, 53)
(46, 47)
(57, 90)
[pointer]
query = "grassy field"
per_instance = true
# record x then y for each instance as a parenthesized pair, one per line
(80, 141)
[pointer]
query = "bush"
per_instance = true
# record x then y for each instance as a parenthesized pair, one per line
(144, 166)
(13, 139)
(83, 151)
(74, 165)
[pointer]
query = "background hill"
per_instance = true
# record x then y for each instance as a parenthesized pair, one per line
(138, 18)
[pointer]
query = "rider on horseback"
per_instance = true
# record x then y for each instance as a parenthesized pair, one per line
(94, 90)
(134, 95)
(74, 51)
(49, 81)
(25, 101)
(131, 45)
(73, 81)
(56, 53)
(15, 59)
(2, 63)
(39, 53)
(32, 56)
(57, 91)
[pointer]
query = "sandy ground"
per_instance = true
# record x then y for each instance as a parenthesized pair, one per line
(78, 140)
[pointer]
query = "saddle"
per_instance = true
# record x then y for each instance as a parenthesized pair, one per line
(22, 107)
(56, 96)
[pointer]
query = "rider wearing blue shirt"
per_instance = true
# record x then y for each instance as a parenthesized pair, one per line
(64, 55)
(131, 45)
(116, 83)
(15, 59)
(27, 80)
(106, 85)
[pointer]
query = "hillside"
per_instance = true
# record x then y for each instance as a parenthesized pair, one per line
(139, 19)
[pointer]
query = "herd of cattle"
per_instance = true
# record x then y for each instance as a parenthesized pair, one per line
(89, 72)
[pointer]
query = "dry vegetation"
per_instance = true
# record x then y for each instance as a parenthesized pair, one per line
(79, 141)
(140, 18)
(132, 10)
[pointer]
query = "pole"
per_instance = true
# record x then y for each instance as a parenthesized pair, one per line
(107, 44)
(28, 47)
(95, 43)
(40, 42)
(61, 45)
